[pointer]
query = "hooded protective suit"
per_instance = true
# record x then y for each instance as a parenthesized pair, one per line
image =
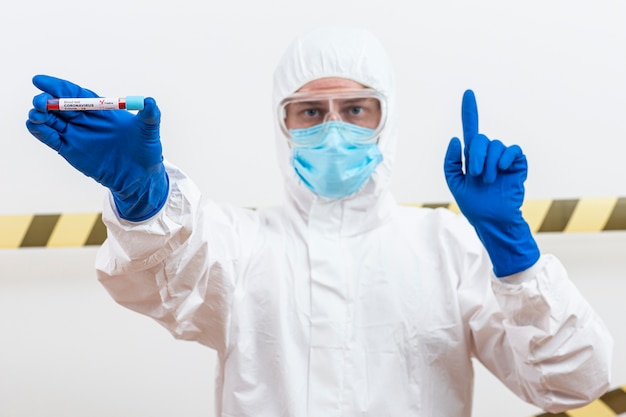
(356, 306)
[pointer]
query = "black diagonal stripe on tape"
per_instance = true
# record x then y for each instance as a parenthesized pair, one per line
(615, 400)
(435, 205)
(617, 220)
(39, 230)
(98, 233)
(558, 215)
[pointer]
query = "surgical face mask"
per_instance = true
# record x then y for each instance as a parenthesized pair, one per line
(340, 163)
(311, 112)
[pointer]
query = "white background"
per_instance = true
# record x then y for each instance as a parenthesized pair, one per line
(548, 75)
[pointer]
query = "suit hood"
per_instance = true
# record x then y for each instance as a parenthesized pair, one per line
(354, 54)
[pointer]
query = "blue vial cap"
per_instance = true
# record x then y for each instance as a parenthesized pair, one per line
(134, 103)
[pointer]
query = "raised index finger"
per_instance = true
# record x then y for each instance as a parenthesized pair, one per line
(469, 116)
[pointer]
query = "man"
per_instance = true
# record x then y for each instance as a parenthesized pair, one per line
(339, 302)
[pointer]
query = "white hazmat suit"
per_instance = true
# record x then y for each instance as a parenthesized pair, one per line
(356, 306)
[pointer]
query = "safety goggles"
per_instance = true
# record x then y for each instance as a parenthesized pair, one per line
(309, 112)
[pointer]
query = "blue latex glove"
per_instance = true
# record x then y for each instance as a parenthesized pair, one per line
(490, 193)
(118, 149)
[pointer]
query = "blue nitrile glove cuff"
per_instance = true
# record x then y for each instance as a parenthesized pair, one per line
(511, 247)
(143, 199)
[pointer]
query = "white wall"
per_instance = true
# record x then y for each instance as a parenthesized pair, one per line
(548, 75)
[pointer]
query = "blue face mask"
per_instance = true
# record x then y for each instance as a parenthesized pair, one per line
(339, 164)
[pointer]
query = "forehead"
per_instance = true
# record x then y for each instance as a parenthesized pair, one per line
(330, 84)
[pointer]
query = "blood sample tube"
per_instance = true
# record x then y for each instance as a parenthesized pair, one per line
(96, 103)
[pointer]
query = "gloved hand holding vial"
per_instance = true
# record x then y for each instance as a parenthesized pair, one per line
(118, 149)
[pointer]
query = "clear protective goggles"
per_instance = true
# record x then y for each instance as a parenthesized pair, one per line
(363, 108)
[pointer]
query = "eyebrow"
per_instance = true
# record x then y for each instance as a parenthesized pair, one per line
(355, 100)
(307, 103)
(337, 100)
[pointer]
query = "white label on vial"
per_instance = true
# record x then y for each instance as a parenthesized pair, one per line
(99, 103)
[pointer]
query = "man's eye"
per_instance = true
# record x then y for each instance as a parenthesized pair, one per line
(311, 112)
(356, 110)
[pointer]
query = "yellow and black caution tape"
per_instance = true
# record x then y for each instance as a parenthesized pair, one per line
(575, 215)
(611, 404)
(51, 230)
(87, 229)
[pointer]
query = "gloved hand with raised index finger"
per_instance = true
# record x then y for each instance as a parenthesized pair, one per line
(490, 193)
(117, 148)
